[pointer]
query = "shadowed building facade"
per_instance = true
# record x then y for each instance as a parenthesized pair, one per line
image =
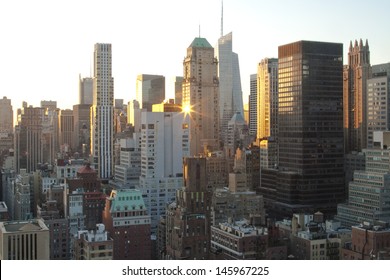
(310, 176)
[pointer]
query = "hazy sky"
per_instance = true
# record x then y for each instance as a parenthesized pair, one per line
(46, 44)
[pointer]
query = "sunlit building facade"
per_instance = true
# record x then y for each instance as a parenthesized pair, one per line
(201, 96)
(102, 112)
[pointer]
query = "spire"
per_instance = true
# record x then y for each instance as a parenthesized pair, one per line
(361, 43)
(222, 19)
(350, 46)
(367, 44)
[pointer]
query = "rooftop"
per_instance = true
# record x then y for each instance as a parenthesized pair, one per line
(23, 226)
(200, 43)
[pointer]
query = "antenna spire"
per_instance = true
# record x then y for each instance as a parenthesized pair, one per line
(222, 19)
(199, 30)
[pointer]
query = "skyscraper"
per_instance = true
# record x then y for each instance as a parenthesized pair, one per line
(102, 112)
(356, 74)
(164, 144)
(6, 115)
(85, 90)
(310, 122)
(150, 89)
(267, 110)
(378, 101)
(66, 130)
(230, 93)
(188, 219)
(28, 138)
(201, 95)
(253, 105)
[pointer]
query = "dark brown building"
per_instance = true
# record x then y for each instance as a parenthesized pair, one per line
(188, 219)
(94, 200)
(310, 174)
(368, 242)
(128, 223)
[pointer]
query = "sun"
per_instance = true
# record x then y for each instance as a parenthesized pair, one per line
(187, 109)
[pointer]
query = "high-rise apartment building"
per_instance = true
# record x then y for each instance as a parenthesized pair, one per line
(253, 105)
(6, 115)
(164, 143)
(310, 130)
(85, 91)
(150, 89)
(102, 112)
(378, 101)
(201, 96)
(355, 78)
(230, 93)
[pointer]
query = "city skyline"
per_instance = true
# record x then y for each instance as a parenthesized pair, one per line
(48, 45)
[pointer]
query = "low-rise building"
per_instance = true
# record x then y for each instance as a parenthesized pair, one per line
(93, 245)
(238, 241)
(24, 240)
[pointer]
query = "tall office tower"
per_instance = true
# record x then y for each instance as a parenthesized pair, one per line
(82, 129)
(378, 101)
(310, 177)
(24, 240)
(164, 143)
(253, 105)
(126, 219)
(150, 89)
(356, 74)
(102, 112)
(28, 138)
(201, 96)
(85, 91)
(66, 129)
(230, 93)
(178, 89)
(188, 219)
(134, 115)
(267, 111)
(50, 130)
(237, 135)
(6, 115)
(267, 98)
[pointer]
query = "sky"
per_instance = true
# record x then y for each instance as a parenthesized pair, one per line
(45, 45)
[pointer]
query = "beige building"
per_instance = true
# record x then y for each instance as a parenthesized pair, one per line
(201, 96)
(24, 240)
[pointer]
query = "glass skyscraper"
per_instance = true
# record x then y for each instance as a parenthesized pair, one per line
(310, 174)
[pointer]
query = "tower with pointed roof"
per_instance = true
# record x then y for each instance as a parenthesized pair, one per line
(355, 78)
(201, 95)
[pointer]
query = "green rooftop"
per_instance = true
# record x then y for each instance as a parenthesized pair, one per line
(126, 199)
(200, 43)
